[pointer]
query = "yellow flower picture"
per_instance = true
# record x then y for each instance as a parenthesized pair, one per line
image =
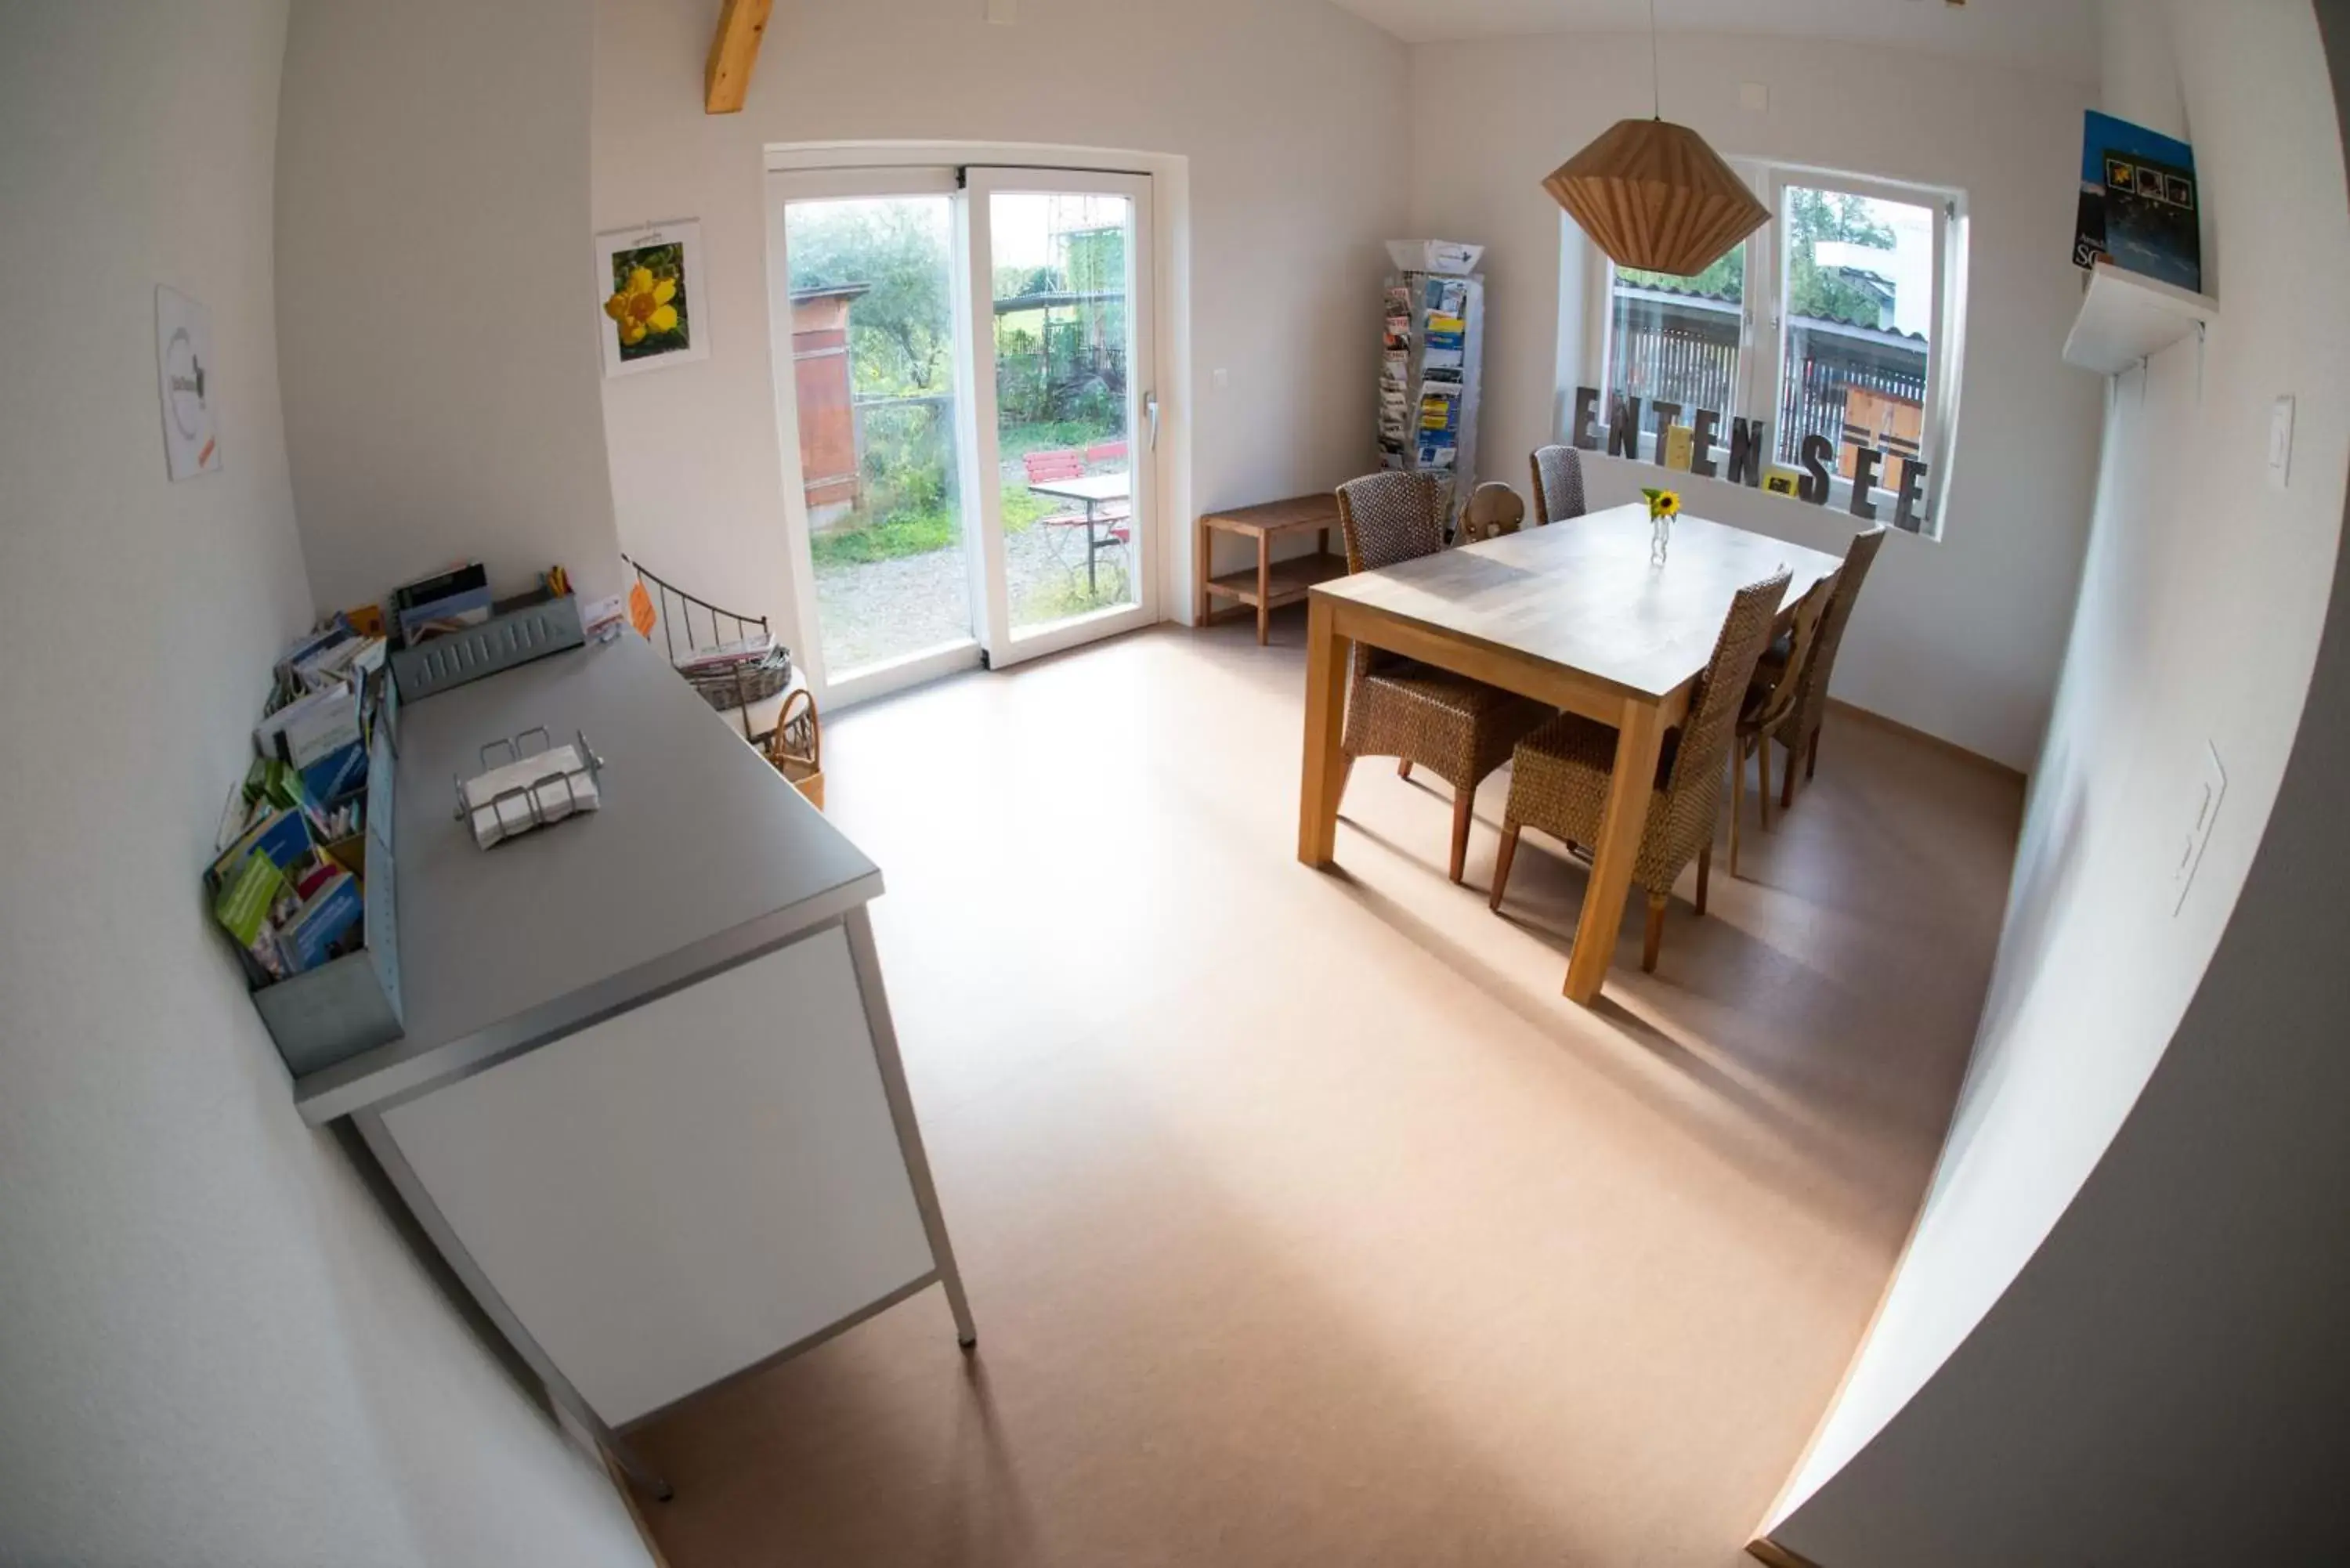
(643, 306)
(649, 310)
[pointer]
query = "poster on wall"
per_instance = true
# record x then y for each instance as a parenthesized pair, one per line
(183, 371)
(650, 303)
(2138, 208)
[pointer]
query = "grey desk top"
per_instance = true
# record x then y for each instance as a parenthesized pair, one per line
(702, 855)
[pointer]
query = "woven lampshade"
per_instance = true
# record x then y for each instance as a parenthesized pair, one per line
(1653, 195)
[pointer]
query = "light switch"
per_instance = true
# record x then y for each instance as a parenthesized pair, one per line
(2281, 443)
(2209, 792)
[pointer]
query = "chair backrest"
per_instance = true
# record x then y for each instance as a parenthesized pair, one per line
(1803, 647)
(1492, 510)
(1106, 452)
(1812, 694)
(1391, 517)
(1713, 719)
(1049, 465)
(1558, 484)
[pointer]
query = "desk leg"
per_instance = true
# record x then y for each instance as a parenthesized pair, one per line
(1638, 738)
(1325, 774)
(859, 925)
(1263, 589)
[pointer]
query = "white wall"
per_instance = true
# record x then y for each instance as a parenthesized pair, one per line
(1960, 638)
(2202, 605)
(432, 253)
(1291, 113)
(214, 1348)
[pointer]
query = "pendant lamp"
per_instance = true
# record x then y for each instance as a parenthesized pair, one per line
(1653, 195)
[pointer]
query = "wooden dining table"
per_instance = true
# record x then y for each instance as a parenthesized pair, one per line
(1573, 616)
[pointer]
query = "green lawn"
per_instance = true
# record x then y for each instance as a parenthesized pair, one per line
(918, 531)
(914, 532)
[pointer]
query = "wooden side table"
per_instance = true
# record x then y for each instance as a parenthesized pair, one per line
(1270, 583)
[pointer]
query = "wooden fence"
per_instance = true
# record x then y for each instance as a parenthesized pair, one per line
(1697, 366)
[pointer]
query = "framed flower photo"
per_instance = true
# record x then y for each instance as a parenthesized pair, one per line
(650, 304)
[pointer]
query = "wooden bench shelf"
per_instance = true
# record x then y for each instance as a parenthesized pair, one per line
(1287, 580)
(1269, 584)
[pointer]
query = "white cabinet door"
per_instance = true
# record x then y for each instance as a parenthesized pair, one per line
(683, 1190)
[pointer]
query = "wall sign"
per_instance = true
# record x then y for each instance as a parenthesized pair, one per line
(1745, 450)
(183, 372)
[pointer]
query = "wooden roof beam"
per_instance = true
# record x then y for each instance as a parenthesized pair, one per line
(726, 81)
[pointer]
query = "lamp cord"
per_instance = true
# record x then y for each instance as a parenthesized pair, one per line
(1656, 92)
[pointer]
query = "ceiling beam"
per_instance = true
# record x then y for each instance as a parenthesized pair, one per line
(726, 81)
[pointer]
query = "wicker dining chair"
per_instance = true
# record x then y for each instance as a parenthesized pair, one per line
(1457, 729)
(1771, 704)
(1801, 732)
(1558, 484)
(1560, 776)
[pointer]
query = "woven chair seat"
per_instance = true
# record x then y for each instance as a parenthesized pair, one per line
(1559, 780)
(1459, 729)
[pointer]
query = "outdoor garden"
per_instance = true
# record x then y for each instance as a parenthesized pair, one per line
(892, 575)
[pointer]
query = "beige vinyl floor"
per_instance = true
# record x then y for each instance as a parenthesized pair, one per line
(1304, 1221)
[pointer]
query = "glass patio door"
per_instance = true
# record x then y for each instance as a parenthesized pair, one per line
(869, 352)
(1064, 405)
(962, 368)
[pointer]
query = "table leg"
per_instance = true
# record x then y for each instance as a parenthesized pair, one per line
(1092, 589)
(1325, 773)
(1638, 737)
(1263, 589)
(1202, 567)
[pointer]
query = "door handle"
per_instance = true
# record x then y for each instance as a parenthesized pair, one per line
(1150, 407)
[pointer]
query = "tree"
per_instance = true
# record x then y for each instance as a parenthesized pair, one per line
(1826, 294)
(1813, 216)
(901, 330)
(1725, 279)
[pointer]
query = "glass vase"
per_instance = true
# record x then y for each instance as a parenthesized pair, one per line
(1660, 539)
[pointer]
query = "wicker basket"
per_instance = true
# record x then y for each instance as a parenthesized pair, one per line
(740, 683)
(796, 748)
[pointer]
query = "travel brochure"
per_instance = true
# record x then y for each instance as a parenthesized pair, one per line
(288, 883)
(1423, 373)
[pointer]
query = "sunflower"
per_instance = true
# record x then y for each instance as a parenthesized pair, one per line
(1662, 503)
(641, 306)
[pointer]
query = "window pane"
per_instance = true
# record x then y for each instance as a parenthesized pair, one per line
(872, 292)
(1063, 338)
(1676, 339)
(1857, 316)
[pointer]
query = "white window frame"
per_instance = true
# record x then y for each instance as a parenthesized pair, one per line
(1762, 341)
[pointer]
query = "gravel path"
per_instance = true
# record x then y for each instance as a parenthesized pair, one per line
(882, 609)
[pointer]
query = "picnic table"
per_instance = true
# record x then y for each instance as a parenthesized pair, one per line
(1097, 491)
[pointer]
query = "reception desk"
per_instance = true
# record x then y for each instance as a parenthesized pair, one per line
(649, 1103)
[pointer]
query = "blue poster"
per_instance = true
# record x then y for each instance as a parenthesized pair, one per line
(2139, 204)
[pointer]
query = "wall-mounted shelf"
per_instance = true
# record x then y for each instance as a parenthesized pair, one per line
(2125, 317)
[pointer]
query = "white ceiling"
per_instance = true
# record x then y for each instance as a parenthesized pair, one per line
(2055, 35)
